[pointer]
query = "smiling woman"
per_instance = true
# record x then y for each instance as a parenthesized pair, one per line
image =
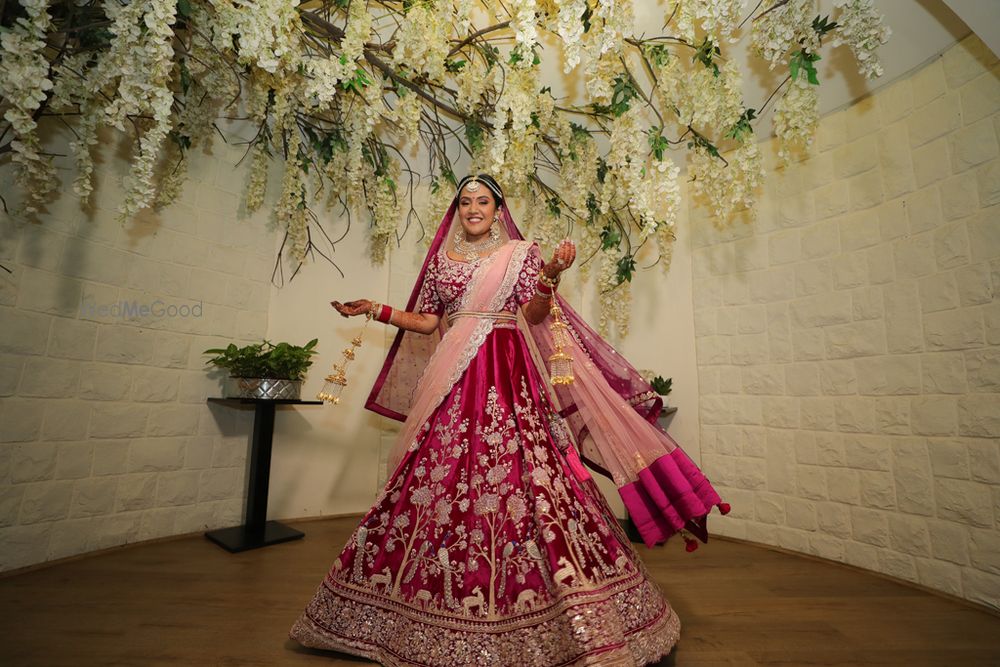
(491, 544)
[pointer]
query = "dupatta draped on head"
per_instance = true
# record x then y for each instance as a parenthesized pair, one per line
(610, 409)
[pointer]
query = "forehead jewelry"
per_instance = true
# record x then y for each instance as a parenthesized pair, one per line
(473, 185)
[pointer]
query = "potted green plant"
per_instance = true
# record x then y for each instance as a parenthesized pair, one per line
(264, 370)
(662, 387)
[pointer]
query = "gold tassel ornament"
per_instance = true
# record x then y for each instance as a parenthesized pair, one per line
(337, 379)
(560, 361)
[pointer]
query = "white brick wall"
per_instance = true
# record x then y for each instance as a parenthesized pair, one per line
(856, 335)
(105, 436)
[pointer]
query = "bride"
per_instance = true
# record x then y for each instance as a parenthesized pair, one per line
(491, 544)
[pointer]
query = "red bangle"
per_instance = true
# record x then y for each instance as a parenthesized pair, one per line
(384, 314)
(543, 288)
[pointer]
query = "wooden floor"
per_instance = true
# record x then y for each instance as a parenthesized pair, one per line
(188, 602)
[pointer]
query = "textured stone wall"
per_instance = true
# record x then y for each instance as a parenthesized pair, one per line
(105, 435)
(848, 340)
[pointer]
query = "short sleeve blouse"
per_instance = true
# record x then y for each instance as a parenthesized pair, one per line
(446, 281)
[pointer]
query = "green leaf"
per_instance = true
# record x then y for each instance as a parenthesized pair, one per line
(592, 208)
(602, 169)
(580, 132)
(661, 386)
(823, 25)
(742, 127)
(624, 93)
(611, 237)
(588, 14)
(554, 209)
(474, 133)
(185, 75)
(454, 65)
(182, 140)
(802, 60)
(626, 267)
(658, 54)
(701, 142)
(490, 53)
(705, 54)
(657, 142)
(184, 8)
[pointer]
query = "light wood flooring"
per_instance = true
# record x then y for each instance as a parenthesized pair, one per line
(188, 602)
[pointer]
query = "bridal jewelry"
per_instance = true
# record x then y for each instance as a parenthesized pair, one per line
(472, 251)
(560, 362)
(337, 379)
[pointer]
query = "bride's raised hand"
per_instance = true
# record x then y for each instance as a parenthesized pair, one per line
(352, 308)
(562, 258)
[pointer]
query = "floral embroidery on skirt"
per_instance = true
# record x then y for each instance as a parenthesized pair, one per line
(484, 549)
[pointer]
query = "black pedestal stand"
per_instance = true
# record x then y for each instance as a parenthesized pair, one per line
(257, 531)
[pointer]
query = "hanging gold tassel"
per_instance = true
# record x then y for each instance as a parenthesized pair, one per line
(337, 379)
(560, 362)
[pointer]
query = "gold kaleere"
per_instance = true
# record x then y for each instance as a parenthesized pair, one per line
(337, 379)
(560, 362)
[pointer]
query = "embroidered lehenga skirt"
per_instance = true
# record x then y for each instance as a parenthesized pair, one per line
(485, 549)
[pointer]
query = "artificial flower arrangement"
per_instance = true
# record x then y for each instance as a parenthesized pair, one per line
(338, 93)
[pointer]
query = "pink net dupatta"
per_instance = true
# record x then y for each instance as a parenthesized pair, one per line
(662, 489)
(410, 352)
(492, 284)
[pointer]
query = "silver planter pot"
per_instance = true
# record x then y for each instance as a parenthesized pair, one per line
(269, 388)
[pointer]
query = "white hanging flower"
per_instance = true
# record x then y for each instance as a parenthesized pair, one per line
(257, 189)
(470, 84)
(579, 170)
(860, 27)
(267, 31)
(615, 298)
(524, 23)
(707, 100)
(24, 82)
(359, 125)
(795, 118)
(386, 208)
(463, 15)
(323, 79)
(407, 116)
(143, 58)
(783, 29)
(728, 187)
(422, 41)
(600, 74)
(665, 193)
(570, 28)
(719, 19)
(665, 239)
(359, 29)
(615, 19)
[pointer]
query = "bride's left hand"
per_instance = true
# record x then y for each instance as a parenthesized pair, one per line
(562, 258)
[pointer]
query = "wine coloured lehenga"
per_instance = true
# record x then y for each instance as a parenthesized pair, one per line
(490, 544)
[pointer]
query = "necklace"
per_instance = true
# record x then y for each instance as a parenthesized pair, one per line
(472, 251)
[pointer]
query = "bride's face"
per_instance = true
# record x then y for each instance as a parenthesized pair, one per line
(476, 210)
